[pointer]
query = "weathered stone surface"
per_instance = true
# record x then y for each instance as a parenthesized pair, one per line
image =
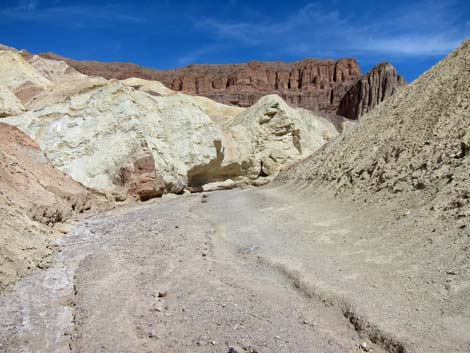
(9, 103)
(378, 84)
(138, 137)
(270, 136)
(153, 88)
(140, 177)
(95, 133)
(62, 90)
(20, 77)
(215, 110)
(32, 195)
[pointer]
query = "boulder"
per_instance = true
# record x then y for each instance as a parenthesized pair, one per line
(140, 178)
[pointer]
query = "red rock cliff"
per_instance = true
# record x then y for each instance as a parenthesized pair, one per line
(378, 84)
(312, 84)
(331, 86)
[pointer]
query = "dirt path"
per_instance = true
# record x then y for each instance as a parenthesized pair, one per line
(265, 270)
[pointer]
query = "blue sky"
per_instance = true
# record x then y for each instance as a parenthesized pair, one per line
(413, 35)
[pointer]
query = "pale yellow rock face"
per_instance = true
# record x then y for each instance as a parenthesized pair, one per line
(270, 136)
(92, 134)
(219, 113)
(19, 76)
(9, 103)
(92, 128)
(63, 90)
(152, 87)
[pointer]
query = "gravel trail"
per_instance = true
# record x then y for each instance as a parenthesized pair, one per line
(262, 270)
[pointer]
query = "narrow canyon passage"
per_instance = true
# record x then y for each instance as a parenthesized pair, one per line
(263, 270)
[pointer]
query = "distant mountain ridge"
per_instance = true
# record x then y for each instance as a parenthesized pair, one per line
(319, 85)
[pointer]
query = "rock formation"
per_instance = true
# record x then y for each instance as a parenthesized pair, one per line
(378, 84)
(154, 88)
(165, 142)
(54, 70)
(20, 77)
(96, 135)
(9, 103)
(313, 84)
(32, 195)
(329, 86)
(270, 136)
(421, 149)
(137, 137)
(215, 110)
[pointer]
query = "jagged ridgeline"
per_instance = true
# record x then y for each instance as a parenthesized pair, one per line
(328, 86)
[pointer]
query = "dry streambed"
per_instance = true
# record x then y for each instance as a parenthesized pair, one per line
(255, 270)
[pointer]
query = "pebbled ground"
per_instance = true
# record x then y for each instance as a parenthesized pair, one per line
(264, 270)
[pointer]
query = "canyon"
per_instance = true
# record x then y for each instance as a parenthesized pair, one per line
(305, 207)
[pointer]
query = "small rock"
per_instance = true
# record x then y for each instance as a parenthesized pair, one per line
(153, 335)
(364, 346)
(235, 349)
(162, 294)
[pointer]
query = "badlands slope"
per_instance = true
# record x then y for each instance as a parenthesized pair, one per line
(33, 197)
(415, 145)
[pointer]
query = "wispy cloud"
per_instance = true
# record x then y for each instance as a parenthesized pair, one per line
(427, 28)
(73, 15)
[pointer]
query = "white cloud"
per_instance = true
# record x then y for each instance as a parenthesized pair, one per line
(426, 28)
